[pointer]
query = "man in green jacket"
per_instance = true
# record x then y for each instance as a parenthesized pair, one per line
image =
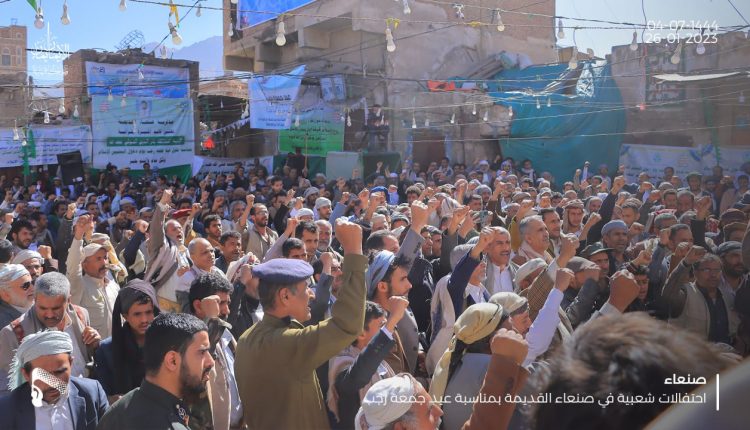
(277, 358)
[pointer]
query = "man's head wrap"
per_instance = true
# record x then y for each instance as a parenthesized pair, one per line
(477, 322)
(378, 410)
(34, 346)
(11, 272)
(25, 255)
(377, 269)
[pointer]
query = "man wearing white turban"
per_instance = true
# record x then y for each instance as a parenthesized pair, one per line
(399, 402)
(44, 394)
(16, 292)
(32, 261)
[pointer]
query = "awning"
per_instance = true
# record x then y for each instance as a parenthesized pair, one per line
(676, 77)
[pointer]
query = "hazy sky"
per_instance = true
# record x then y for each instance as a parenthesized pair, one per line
(99, 23)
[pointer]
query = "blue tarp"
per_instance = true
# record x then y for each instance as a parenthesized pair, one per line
(534, 78)
(587, 126)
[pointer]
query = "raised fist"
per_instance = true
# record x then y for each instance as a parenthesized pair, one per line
(349, 236)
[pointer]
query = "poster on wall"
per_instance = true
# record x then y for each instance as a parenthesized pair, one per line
(272, 99)
(253, 12)
(160, 82)
(157, 131)
(320, 131)
(49, 142)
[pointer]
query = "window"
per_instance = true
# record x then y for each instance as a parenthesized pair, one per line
(18, 35)
(5, 60)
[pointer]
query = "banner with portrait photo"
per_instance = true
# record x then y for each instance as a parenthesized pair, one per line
(158, 131)
(159, 82)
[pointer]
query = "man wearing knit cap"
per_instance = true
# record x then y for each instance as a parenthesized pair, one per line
(277, 357)
(90, 287)
(119, 358)
(16, 292)
(322, 208)
(615, 237)
(52, 310)
(44, 393)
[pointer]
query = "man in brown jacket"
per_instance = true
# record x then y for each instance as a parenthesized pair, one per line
(277, 358)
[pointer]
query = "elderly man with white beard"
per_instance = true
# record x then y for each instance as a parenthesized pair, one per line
(16, 292)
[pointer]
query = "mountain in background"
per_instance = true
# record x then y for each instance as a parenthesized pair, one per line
(207, 52)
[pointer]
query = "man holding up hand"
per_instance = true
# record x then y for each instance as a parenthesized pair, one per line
(277, 358)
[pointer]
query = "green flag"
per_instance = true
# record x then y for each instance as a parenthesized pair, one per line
(28, 151)
(33, 4)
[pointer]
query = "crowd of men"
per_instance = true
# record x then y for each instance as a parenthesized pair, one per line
(295, 301)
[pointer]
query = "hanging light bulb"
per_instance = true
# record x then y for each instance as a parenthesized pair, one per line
(474, 109)
(234, 1)
(675, 59)
(453, 118)
(123, 6)
(701, 48)
(390, 45)
(742, 97)
(76, 114)
(538, 105)
(135, 127)
(61, 108)
(221, 104)
(123, 101)
(199, 11)
(39, 21)
(296, 120)
(407, 9)
(486, 116)
(573, 63)
(426, 121)
(163, 51)
(634, 42)
(343, 116)
(510, 111)
(65, 19)
(46, 117)
(560, 30)
(549, 102)
(500, 25)
(348, 120)
(413, 121)
(280, 33)
(109, 95)
(140, 74)
(24, 142)
(230, 33)
(15, 131)
(176, 38)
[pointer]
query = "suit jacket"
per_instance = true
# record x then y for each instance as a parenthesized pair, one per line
(87, 402)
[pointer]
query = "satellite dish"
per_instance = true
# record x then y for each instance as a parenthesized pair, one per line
(132, 40)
